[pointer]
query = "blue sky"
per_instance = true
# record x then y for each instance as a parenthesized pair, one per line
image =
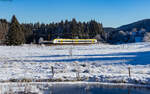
(112, 13)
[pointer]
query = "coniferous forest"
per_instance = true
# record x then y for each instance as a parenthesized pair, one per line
(14, 33)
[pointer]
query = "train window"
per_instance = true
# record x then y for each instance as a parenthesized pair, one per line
(85, 41)
(80, 41)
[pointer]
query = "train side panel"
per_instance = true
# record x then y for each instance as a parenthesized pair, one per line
(74, 41)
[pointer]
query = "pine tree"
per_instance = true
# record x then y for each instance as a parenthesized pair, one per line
(28, 34)
(15, 35)
(74, 28)
(3, 30)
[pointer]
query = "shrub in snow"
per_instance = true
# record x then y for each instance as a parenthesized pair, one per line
(83, 65)
(86, 71)
(74, 70)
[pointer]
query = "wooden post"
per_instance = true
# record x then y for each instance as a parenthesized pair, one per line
(78, 75)
(70, 51)
(129, 69)
(52, 71)
(77, 71)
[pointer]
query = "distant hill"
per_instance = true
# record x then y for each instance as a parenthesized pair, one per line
(129, 27)
(138, 25)
(125, 34)
(109, 29)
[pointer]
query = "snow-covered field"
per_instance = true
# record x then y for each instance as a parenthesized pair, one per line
(96, 62)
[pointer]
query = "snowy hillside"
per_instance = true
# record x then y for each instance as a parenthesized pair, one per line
(97, 62)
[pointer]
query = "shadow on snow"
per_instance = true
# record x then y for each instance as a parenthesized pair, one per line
(133, 58)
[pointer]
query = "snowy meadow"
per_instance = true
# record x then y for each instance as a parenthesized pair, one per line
(90, 63)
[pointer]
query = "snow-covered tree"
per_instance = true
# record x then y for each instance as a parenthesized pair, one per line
(147, 37)
(41, 40)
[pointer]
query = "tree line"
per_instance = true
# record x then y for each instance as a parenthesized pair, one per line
(14, 33)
